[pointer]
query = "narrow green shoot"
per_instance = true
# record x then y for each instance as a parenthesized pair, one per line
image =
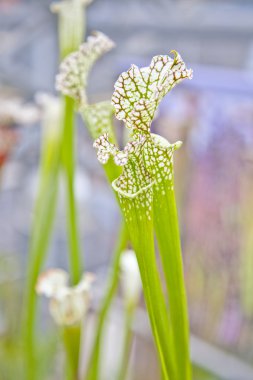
(167, 233)
(93, 369)
(71, 28)
(71, 337)
(68, 163)
(71, 25)
(139, 220)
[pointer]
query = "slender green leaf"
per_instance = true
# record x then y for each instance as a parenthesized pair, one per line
(140, 226)
(166, 228)
(71, 339)
(68, 162)
(113, 279)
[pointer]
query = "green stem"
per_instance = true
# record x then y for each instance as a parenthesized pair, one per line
(140, 227)
(127, 341)
(71, 33)
(72, 339)
(41, 232)
(167, 232)
(93, 365)
(69, 165)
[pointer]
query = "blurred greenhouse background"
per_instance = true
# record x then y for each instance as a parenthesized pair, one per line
(212, 115)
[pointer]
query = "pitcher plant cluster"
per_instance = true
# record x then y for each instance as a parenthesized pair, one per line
(141, 176)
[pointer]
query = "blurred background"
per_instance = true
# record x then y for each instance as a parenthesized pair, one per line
(212, 115)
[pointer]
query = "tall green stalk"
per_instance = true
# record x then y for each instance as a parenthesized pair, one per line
(113, 279)
(68, 161)
(71, 339)
(167, 233)
(44, 221)
(140, 227)
(71, 29)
